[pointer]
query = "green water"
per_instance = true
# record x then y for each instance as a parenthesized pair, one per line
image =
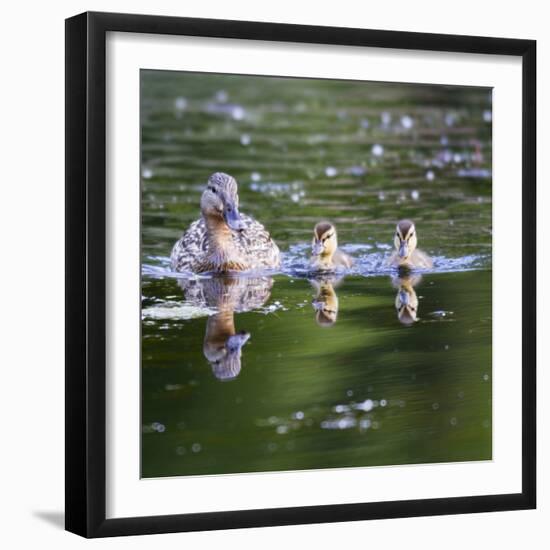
(354, 386)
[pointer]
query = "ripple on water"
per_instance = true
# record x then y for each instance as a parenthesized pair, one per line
(369, 261)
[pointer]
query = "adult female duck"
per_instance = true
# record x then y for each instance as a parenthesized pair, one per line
(223, 239)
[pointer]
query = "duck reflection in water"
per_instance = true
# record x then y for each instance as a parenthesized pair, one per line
(406, 300)
(223, 344)
(325, 302)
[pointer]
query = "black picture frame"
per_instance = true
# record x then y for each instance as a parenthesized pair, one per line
(86, 274)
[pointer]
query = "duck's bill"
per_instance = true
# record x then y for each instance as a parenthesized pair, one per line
(403, 250)
(404, 298)
(317, 248)
(237, 341)
(233, 218)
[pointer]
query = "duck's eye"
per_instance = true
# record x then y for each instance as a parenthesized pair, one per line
(213, 189)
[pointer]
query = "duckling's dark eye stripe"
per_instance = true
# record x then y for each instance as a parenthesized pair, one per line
(328, 237)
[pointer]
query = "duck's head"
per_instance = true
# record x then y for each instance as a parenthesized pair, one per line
(325, 303)
(406, 300)
(220, 201)
(406, 305)
(405, 239)
(225, 359)
(325, 313)
(324, 241)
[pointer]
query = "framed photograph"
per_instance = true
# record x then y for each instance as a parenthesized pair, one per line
(300, 274)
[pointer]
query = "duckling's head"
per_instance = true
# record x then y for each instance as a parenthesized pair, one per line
(406, 305)
(326, 313)
(325, 303)
(324, 242)
(220, 201)
(405, 239)
(225, 360)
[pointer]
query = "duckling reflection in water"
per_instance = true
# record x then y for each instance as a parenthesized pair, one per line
(406, 300)
(324, 249)
(406, 254)
(325, 302)
(223, 239)
(222, 344)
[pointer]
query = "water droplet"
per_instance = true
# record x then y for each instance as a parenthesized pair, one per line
(435, 406)
(383, 402)
(237, 112)
(196, 447)
(366, 405)
(147, 173)
(221, 96)
(453, 421)
(356, 171)
(407, 122)
(330, 171)
(430, 176)
(246, 139)
(415, 195)
(450, 119)
(255, 176)
(377, 150)
(381, 196)
(180, 103)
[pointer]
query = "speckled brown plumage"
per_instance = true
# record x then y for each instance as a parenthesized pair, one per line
(253, 245)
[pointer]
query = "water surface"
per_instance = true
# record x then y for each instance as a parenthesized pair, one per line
(328, 375)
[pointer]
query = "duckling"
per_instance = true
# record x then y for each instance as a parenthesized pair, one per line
(324, 249)
(406, 254)
(223, 239)
(406, 300)
(325, 302)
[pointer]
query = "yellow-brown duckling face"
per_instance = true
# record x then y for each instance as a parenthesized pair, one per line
(406, 305)
(326, 313)
(405, 239)
(324, 240)
(220, 200)
(325, 305)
